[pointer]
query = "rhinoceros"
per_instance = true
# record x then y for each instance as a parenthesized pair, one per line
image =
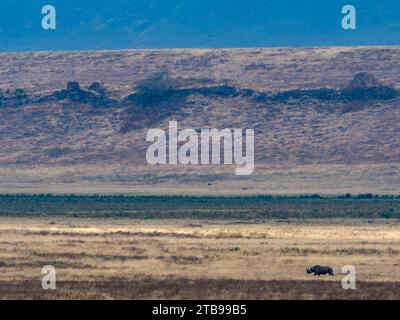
(318, 270)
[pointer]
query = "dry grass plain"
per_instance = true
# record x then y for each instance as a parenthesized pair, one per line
(197, 180)
(187, 259)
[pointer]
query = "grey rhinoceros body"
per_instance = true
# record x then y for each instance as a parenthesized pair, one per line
(318, 270)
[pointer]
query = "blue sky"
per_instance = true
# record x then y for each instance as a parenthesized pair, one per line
(120, 24)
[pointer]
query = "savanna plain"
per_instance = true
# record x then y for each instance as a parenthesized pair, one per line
(123, 254)
(326, 123)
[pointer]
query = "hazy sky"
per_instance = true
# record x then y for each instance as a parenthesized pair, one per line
(119, 24)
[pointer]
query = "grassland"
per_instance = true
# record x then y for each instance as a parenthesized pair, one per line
(202, 207)
(170, 259)
(118, 247)
(216, 240)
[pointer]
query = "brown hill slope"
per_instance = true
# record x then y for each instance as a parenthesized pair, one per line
(326, 120)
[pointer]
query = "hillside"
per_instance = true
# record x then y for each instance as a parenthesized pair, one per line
(326, 120)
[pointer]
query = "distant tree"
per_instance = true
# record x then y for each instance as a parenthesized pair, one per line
(363, 80)
(73, 86)
(19, 92)
(365, 87)
(98, 87)
(158, 82)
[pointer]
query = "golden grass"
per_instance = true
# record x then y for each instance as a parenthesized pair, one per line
(89, 251)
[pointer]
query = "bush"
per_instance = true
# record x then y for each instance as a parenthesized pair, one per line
(58, 152)
(19, 92)
(160, 82)
(363, 80)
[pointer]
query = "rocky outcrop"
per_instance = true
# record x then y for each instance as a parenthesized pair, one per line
(320, 94)
(13, 97)
(161, 91)
(364, 87)
(95, 95)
